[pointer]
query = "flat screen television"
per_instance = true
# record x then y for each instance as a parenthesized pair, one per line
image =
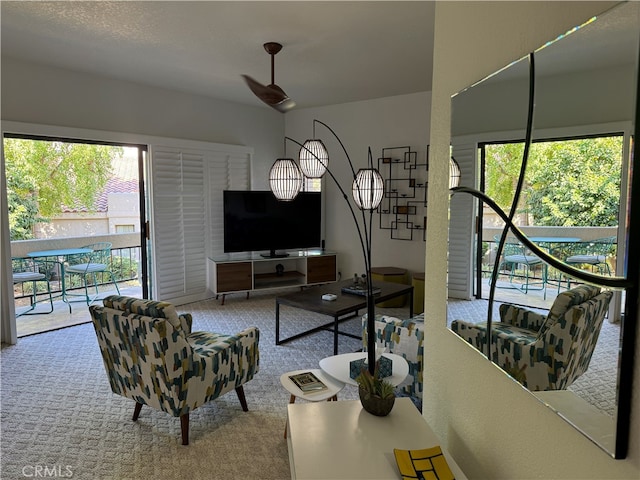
(256, 221)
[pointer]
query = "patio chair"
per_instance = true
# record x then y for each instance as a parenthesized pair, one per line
(544, 352)
(151, 356)
(515, 254)
(88, 265)
(593, 254)
(27, 270)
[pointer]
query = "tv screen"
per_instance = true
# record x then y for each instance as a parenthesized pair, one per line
(257, 221)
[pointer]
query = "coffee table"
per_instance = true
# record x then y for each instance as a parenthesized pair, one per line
(337, 367)
(345, 307)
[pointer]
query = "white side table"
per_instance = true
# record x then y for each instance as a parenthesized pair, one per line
(338, 367)
(331, 393)
(339, 440)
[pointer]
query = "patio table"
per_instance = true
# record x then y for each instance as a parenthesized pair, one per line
(553, 242)
(60, 256)
(550, 242)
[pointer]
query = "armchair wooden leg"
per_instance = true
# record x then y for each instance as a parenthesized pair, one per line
(184, 426)
(136, 411)
(243, 401)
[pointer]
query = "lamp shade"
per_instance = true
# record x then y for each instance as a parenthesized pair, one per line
(368, 188)
(314, 159)
(285, 179)
(454, 173)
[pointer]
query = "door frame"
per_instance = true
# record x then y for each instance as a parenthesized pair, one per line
(73, 135)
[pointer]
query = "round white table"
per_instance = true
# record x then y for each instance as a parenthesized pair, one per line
(331, 393)
(337, 366)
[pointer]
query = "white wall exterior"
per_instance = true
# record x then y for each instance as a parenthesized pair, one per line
(123, 209)
(387, 122)
(493, 428)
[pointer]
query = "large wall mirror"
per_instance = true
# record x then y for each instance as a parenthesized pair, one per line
(541, 277)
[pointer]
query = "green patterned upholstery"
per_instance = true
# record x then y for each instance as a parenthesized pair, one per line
(404, 338)
(544, 352)
(152, 357)
(150, 308)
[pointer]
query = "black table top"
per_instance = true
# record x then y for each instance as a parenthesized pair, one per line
(311, 298)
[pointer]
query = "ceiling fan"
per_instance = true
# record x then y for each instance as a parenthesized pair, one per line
(271, 94)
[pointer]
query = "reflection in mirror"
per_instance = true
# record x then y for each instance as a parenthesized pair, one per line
(541, 289)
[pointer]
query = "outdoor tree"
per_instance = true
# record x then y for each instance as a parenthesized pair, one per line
(44, 177)
(576, 183)
(567, 183)
(502, 172)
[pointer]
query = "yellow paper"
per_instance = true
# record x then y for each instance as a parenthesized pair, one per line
(427, 464)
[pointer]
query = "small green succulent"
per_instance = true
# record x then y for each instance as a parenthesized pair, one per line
(374, 385)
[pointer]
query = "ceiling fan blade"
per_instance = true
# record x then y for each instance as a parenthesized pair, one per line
(272, 94)
(285, 105)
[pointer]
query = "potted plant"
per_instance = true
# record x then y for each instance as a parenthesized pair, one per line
(376, 394)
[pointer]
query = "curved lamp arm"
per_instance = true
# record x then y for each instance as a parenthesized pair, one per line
(346, 198)
(364, 235)
(367, 233)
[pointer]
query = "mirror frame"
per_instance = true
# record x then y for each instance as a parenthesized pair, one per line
(629, 283)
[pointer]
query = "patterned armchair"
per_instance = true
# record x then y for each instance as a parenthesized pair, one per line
(404, 338)
(544, 352)
(151, 356)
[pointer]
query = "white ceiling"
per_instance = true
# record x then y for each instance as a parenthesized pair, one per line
(334, 52)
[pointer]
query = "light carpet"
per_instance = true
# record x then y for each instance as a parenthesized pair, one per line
(58, 413)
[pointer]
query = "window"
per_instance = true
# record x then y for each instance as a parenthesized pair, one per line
(312, 185)
(125, 228)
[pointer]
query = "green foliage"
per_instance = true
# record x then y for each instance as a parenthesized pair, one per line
(374, 385)
(43, 177)
(567, 183)
(23, 208)
(124, 268)
(503, 168)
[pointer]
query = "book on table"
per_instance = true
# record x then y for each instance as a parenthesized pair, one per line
(421, 464)
(308, 382)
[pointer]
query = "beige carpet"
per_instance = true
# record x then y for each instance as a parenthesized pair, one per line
(58, 412)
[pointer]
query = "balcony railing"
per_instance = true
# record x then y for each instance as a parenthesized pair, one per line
(125, 261)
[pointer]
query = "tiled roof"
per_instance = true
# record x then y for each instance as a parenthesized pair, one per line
(114, 185)
(123, 180)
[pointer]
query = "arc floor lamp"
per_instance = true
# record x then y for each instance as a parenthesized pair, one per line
(286, 179)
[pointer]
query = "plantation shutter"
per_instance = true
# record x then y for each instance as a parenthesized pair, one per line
(462, 226)
(178, 212)
(186, 195)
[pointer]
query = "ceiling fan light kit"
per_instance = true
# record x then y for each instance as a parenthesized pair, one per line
(271, 94)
